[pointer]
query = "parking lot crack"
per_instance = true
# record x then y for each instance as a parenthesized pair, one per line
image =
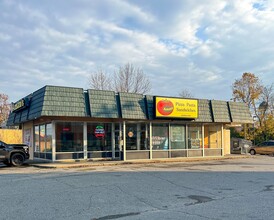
(139, 199)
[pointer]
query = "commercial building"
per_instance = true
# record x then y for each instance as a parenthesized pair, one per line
(61, 123)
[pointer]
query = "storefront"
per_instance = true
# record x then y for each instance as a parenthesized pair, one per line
(65, 123)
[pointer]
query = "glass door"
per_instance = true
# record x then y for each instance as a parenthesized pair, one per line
(178, 137)
(118, 140)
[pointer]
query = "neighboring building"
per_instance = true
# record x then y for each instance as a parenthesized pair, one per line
(11, 136)
(61, 123)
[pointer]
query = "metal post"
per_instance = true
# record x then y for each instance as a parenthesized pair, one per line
(150, 140)
(53, 141)
(113, 140)
(138, 136)
(203, 139)
(124, 140)
(187, 140)
(85, 136)
(222, 141)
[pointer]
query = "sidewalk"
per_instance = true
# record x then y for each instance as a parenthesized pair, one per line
(93, 163)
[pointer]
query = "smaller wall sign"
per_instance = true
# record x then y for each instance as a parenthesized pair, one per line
(99, 131)
(130, 134)
(21, 104)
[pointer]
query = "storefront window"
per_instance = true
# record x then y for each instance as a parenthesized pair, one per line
(194, 137)
(69, 136)
(160, 137)
(43, 141)
(131, 137)
(137, 136)
(144, 140)
(99, 137)
(48, 137)
(36, 139)
(118, 137)
(42, 138)
(177, 137)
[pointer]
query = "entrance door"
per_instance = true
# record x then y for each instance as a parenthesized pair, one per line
(213, 140)
(118, 141)
(132, 137)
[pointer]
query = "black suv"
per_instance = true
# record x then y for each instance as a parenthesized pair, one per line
(13, 154)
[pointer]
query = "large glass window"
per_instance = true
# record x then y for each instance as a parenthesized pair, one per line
(48, 137)
(160, 137)
(43, 141)
(69, 136)
(99, 137)
(131, 137)
(118, 137)
(42, 138)
(194, 137)
(36, 139)
(137, 136)
(144, 133)
(177, 137)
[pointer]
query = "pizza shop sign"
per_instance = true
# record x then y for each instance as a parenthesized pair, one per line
(99, 131)
(176, 108)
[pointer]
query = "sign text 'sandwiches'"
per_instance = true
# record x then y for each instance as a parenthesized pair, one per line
(176, 107)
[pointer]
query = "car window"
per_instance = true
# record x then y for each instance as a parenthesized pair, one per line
(270, 143)
(2, 144)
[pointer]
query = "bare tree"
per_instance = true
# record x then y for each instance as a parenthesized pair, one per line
(266, 104)
(4, 108)
(100, 80)
(268, 98)
(185, 94)
(131, 79)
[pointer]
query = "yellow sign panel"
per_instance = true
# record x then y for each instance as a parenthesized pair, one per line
(176, 107)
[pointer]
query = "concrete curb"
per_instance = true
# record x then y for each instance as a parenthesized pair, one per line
(64, 164)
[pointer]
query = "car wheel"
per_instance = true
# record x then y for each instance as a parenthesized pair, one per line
(252, 152)
(17, 159)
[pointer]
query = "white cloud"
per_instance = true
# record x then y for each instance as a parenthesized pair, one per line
(4, 37)
(198, 45)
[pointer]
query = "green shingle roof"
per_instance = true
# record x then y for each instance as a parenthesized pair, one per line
(239, 112)
(132, 106)
(204, 111)
(63, 101)
(103, 104)
(75, 102)
(220, 111)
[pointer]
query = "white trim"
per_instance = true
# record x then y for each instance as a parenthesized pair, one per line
(53, 141)
(124, 140)
(150, 140)
(85, 141)
(222, 134)
(138, 131)
(187, 136)
(203, 139)
(113, 140)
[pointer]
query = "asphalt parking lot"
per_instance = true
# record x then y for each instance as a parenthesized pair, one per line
(233, 163)
(239, 188)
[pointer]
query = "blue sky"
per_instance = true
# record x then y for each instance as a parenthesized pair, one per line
(200, 46)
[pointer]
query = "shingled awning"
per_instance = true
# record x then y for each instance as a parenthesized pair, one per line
(75, 102)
